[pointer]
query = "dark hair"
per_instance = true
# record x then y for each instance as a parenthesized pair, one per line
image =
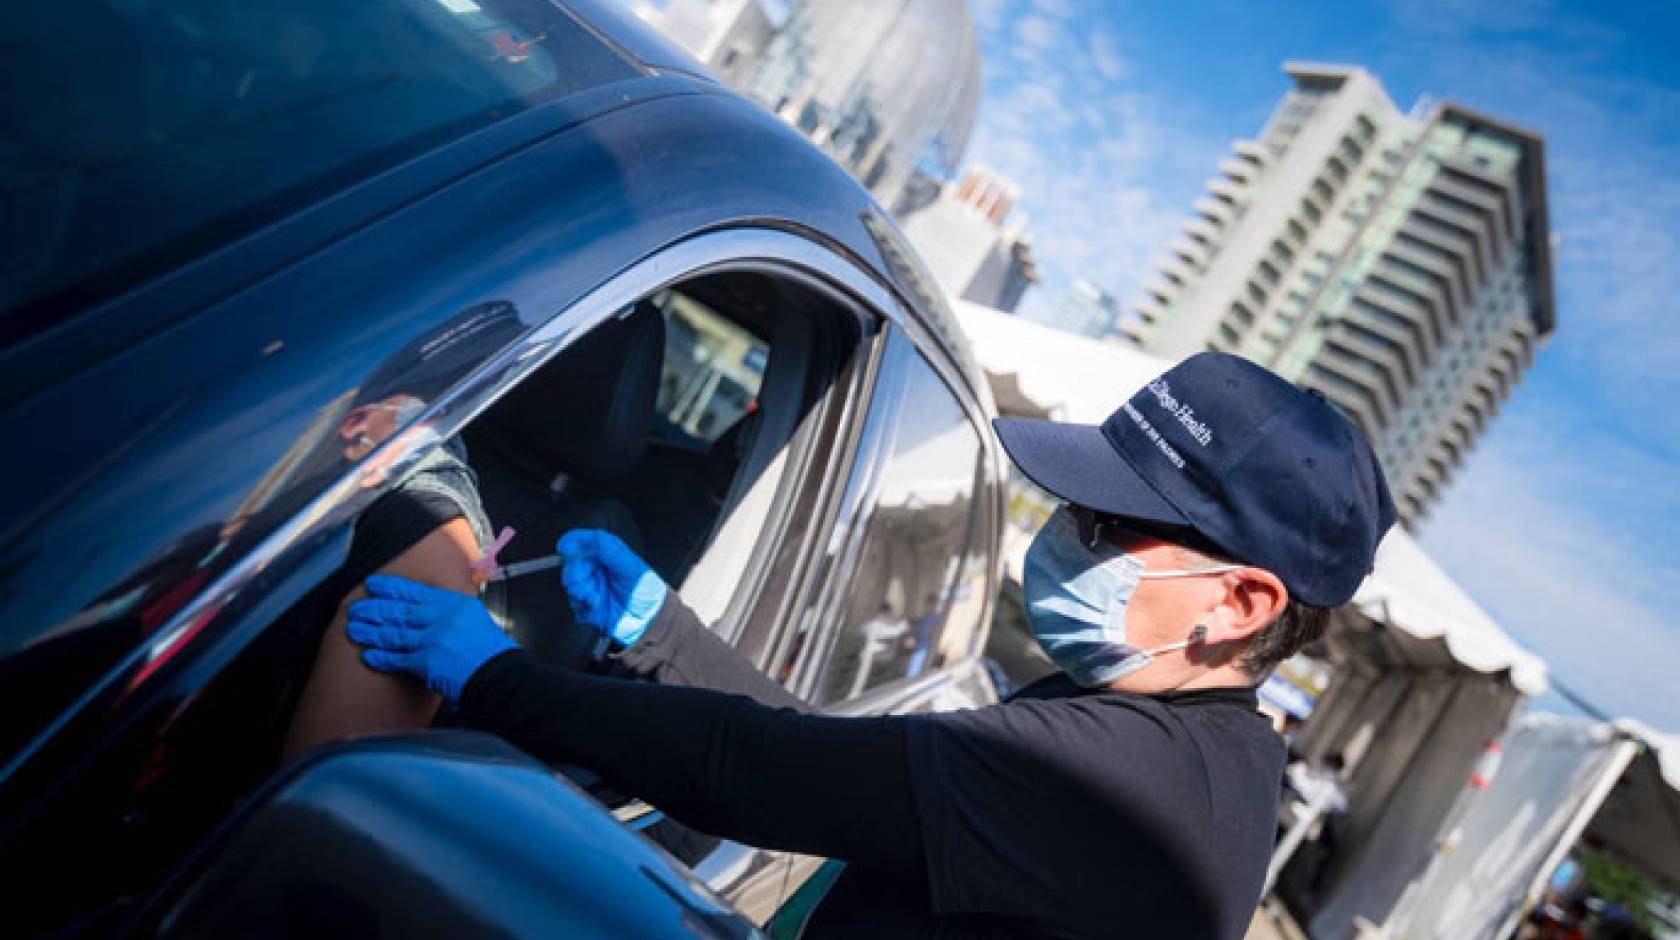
(1299, 624)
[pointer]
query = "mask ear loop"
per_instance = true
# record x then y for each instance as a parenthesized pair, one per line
(1198, 636)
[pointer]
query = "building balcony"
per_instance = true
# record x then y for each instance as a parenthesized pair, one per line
(1220, 186)
(1190, 252)
(1215, 211)
(1363, 375)
(1239, 171)
(1347, 395)
(1466, 176)
(1160, 290)
(1200, 228)
(1252, 151)
(1451, 273)
(1453, 234)
(1478, 228)
(1150, 308)
(1377, 369)
(1408, 306)
(1178, 270)
(1457, 243)
(1406, 338)
(1397, 348)
(1492, 212)
(1431, 294)
(1439, 282)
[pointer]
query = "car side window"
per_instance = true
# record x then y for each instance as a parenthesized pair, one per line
(712, 373)
(911, 605)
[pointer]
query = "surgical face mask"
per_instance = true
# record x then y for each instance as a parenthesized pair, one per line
(1076, 599)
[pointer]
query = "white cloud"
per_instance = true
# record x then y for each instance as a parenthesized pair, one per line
(1056, 9)
(1462, 17)
(1105, 56)
(988, 14)
(1088, 152)
(1038, 35)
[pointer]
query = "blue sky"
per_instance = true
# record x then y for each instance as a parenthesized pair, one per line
(1111, 115)
(1565, 523)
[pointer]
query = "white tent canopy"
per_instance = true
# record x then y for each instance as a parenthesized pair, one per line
(1409, 592)
(1640, 821)
(1066, 376)
(1561, 779)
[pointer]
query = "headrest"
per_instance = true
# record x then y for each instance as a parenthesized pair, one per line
(589, 412)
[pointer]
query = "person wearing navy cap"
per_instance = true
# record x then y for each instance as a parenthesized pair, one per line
(1208, 527)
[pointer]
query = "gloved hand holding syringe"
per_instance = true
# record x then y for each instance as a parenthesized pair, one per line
(607, 585)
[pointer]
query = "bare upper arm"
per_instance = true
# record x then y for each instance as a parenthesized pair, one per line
(343, 697)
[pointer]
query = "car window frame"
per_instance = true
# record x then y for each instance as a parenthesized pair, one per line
(199, 626)
(798, 476)
(859, 492)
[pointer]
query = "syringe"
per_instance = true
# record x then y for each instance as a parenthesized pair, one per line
(520, 568)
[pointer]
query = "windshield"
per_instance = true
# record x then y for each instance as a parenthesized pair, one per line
(136, 134)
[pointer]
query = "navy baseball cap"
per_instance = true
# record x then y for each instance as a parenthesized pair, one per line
(1268, 474)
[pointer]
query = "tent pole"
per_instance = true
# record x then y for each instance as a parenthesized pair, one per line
(1626, 749)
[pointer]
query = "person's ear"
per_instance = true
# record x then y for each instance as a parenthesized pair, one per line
(1254, 597)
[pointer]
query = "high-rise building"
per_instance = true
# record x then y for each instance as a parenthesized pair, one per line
(968, 244)
(888, 88)
(1399, 263)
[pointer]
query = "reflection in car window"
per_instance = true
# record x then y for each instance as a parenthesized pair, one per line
(712, 372)
(62, 656)
(912, 582)
(154, 132)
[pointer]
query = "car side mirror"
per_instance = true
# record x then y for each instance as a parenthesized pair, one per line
(444, 833)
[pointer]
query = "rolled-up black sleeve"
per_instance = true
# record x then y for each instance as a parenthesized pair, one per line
(719, 762)
(677, 649)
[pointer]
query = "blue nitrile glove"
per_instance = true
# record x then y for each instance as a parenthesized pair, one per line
(610, 587)
(440, 637)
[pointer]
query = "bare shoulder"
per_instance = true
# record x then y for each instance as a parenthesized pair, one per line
(443, 558)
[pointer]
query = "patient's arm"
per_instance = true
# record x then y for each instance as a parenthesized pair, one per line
(345, 698)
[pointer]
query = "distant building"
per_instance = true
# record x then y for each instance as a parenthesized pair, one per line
(1398, 263)
(730, 36)
(1088, 310)
(888, 88)
(964, 237)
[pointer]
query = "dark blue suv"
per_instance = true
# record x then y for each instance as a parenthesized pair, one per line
(264, 259)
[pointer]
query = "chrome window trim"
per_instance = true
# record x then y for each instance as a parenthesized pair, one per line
(828, 507)
(858, 491)
(741, 248)
(871, 438)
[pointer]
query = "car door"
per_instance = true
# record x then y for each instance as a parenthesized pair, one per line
(451, 834)
(182, 740)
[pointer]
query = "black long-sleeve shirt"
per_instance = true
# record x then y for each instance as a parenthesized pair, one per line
(1061, 812)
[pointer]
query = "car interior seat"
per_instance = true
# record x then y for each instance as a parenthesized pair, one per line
(548, 456)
